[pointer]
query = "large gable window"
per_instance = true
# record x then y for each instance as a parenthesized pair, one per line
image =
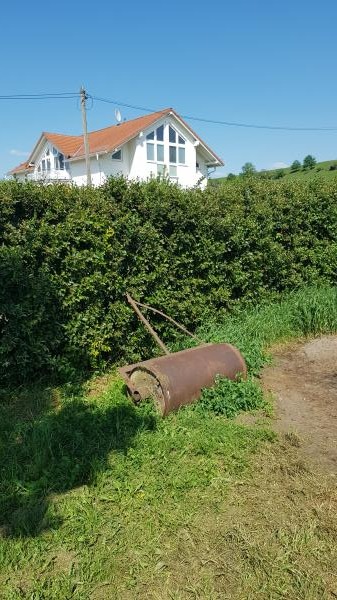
(166, 147)
(50, 160)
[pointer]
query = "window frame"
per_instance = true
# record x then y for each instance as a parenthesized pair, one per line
(152, 139)
(178, 145)
(153, 146)
(117, 152)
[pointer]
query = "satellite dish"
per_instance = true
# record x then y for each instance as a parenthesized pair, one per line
(118, 115)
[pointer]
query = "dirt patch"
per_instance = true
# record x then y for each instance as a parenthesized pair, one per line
(303, 380)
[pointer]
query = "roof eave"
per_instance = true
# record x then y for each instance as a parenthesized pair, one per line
(216, 163)
(210, 152)
(91, 154)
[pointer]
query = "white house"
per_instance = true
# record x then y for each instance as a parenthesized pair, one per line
(160, 143)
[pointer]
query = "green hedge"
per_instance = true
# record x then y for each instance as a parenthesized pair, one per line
(68, 255)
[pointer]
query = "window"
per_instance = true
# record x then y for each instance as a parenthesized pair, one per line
(166, 145)
(59, 161)
(51, 159)
(176, 151)
(172, 135)
(161, 170)
(117, 155)
(160, 133)
(160, 152)
(150, 151)
(181, 155)
(173, 154)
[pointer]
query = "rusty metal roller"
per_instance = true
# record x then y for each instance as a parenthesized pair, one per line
(177, 379)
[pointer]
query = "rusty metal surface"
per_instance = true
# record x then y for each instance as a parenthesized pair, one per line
(177, 379)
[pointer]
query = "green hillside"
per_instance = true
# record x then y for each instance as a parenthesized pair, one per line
(321, 169)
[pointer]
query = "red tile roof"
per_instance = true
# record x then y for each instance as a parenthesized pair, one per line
(22, 167)
(107, 139)
(67, 144)
(114, 136)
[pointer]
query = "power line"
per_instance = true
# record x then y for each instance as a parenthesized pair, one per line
(117, 103)
(219, 122)
(272, 127)
(71, 95)
(46, 96)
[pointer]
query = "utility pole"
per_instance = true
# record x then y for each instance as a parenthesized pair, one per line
(85, 134)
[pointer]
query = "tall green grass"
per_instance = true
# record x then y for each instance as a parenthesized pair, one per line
(309, 311)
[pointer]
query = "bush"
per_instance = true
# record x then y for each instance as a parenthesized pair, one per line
(279, 174)
(68, 256)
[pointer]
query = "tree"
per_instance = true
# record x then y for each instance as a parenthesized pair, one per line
(295, 166)
(309, 162)
(248, 169)
(231, 176)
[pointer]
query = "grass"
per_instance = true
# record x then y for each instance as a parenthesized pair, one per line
(100, 499)
(321, 169)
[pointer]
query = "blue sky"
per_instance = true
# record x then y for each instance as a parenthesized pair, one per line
(262, 62)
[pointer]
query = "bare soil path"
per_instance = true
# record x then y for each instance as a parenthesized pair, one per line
(303, 380)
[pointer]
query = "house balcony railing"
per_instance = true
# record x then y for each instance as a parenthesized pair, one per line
(52, 175)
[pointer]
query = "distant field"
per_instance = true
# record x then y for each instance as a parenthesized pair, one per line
(322, 169)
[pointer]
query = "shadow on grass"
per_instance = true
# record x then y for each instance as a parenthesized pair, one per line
(55, 451)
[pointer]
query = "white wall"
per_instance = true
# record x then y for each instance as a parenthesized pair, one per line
(101, 167)
(187, 175)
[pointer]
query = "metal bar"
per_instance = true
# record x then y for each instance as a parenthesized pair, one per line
(147, 324)
(159, 312)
